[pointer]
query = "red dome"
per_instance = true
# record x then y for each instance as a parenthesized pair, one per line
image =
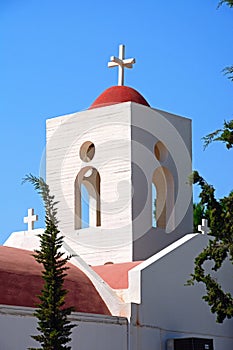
(21, 282)
(118, 94)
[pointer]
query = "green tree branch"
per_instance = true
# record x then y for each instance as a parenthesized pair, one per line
(53, 324)
(220, 248)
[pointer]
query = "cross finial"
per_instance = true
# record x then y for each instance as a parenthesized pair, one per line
(30, 219)
(204, 227)
(122, 63)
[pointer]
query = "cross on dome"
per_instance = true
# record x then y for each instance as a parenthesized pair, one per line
(204, 227)
(122, 63)
(30, 219)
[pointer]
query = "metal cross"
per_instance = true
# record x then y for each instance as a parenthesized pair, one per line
(204, 227)
(122, 63)
(30, 219)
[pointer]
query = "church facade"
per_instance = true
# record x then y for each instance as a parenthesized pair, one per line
(119, 172)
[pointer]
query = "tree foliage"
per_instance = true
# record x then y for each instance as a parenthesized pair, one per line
(228, 2)
(219, 214)
(198, 215)
(227, 70)
(224, 135)
(53, 325)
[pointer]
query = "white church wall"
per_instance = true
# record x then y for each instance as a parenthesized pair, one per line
(145, 338)
(17, 325)
(123, 137)
(149, 337)
(150, 126)
(28, 240)
(97, 332)
(109, 130)
(170, 306)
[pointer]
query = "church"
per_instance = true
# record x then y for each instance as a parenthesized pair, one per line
(119, 171)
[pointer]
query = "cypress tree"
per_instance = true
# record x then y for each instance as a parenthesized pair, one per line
(52, 315)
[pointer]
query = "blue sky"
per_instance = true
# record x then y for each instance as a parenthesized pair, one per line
(54, 58)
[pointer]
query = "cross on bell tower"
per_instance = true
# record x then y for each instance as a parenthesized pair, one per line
(122, 63)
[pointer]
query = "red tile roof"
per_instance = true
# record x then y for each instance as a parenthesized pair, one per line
(20, 282)
(116, 275)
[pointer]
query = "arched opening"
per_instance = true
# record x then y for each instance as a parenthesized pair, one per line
(153, 211)
(85, 217)
(160, 151)
(163, 203)
(87, 198)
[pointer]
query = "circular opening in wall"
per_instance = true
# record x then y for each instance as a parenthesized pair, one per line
(87, 151)
(160, 151)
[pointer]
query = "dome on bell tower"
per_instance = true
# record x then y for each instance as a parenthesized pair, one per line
(119, 94)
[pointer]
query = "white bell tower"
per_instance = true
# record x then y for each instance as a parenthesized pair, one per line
(120, 173)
